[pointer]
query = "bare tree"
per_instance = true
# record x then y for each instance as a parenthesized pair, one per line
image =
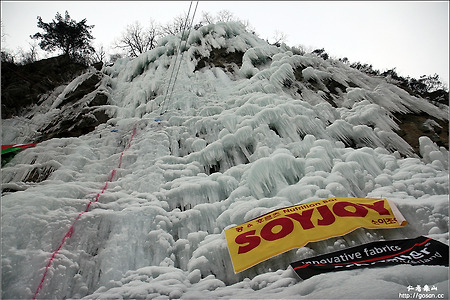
(23, 57)
(279, 37)
(221, 16)
(225, 16)
(99, 54)
(137, 39)
(178, 24)
(207, 18)
(31, 55)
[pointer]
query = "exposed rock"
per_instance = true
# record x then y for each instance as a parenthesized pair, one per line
(413, 126)
(39, 174)
(87, 86)
(221, 58)
(98, 66)
(81, 111)
(22, 85)
(99, 99)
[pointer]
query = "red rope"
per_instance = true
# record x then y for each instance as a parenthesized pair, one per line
(71, 229)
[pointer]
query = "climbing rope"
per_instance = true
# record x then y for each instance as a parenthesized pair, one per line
(71, 229)
(179, 66)
(176, 57)
(167, 94)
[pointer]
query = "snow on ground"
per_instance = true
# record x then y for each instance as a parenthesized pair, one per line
(229, 147)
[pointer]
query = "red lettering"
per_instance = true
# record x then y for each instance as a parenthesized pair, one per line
(340, 210)
(286, 227)
(327, 216)
(247, 237)
(304, 218)
(378, 207)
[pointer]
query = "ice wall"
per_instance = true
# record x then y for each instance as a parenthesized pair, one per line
(229, 147)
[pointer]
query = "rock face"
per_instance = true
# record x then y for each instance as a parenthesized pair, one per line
(80, 111)
(69, 94)
(22, 86)
(413, 126)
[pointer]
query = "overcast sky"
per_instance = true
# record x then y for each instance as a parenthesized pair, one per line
(412, 37)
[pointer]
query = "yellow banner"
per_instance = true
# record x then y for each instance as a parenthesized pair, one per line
(295, 226)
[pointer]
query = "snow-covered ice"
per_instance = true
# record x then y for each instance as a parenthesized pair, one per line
(230, 147)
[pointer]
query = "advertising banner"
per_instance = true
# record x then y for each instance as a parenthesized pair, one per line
(417, 251)
(295, 226)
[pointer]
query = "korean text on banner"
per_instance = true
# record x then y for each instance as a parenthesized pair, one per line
(295, 226)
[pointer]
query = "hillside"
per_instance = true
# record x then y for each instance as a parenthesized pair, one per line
(142, 165)
(22, 85)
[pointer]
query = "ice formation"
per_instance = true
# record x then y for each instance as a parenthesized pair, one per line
(233, 143)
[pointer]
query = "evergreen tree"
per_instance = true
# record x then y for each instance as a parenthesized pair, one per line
(74, 39)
